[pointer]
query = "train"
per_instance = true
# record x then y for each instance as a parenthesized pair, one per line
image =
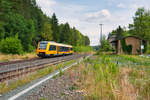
(51, 48)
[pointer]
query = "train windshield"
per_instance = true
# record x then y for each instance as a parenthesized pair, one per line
(42, 45)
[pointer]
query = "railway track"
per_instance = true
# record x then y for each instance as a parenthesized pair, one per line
(15, 69)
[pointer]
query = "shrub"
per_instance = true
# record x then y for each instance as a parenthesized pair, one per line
(105, 45)
(126, 48)
(82, 49)
(11, 45)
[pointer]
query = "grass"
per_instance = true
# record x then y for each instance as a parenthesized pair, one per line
(83, 49)
(99, 78)
(115, 77)
(11, 57)
(8, 86)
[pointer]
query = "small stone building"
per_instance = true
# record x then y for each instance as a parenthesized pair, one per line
(134, 41)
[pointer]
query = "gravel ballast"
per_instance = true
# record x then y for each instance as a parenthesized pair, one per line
(59, 88)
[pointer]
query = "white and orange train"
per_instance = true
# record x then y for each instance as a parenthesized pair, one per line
(50, 48)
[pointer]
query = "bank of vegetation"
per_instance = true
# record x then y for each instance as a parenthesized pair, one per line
(23, 24)
(114, 77)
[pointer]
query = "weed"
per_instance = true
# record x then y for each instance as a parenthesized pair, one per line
(73, 87)
(54, 76)
(42, 98)
(62, 93)
(61, 72)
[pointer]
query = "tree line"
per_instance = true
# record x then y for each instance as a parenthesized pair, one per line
(25, 21)
(139, 28)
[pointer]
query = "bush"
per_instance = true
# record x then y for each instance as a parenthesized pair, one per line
(11, 45)
(126, 48)
(82, 49)
(105, 45)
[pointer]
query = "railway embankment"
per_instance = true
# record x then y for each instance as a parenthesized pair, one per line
(109, 77)
(38, 74)
(106, 77)
(16, 57)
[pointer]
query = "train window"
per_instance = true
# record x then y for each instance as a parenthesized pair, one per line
(67, 49)
(71, 49)
(63, 49)
(60, 48)
(42, 46)
(52, 47)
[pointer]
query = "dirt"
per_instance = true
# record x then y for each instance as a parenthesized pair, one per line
(59, 88)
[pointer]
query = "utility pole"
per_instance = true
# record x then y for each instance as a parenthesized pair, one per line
(141, 47)
(100, 33)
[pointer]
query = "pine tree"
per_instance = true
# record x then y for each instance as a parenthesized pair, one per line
(55, 28)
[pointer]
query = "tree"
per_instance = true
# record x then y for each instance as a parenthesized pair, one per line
(76, 37)
(47, 33)
(119, 32)
(87, 41)
(141, 23)
(105, 45)
(65, 34)
(55, 28)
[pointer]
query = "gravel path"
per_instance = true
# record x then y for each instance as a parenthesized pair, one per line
(59, 88)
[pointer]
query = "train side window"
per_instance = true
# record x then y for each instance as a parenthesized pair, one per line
(61, 49)
(52, 47)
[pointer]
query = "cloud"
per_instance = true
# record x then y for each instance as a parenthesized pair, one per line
(135, 6)
(102, 13)
(101, 16)
(46, 6)
(105, 13)
(120, 5)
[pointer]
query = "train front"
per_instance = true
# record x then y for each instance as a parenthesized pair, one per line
(42, 48)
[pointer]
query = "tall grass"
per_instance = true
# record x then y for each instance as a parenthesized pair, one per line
(10, 57)
(99, 77)
(115, 77)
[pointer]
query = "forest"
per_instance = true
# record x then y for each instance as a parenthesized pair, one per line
(23, 24)
(139, 28)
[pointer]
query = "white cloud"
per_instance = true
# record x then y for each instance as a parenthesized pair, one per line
(135, 6)
(99, 14)
(46, 6)
(105, 13)
(120, 5)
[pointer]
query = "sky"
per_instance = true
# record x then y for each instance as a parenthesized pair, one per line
(86, 15)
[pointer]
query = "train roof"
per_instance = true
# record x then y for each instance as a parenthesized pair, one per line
(54, 43)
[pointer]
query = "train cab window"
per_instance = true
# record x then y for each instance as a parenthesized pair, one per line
(52, 47)
(42, 45)
(71, 49)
